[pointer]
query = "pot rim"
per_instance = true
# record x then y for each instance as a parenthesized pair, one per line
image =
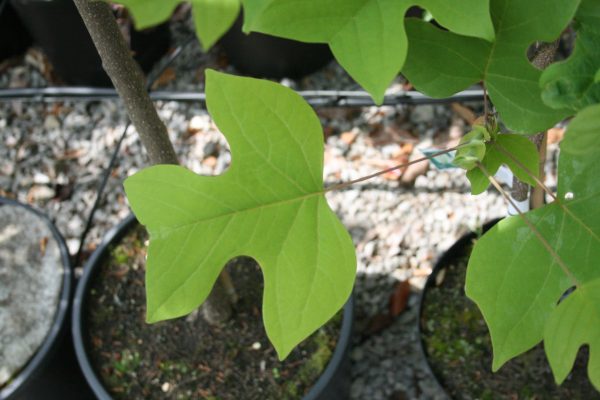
(48, 346)
(116, 233)
(442, 262)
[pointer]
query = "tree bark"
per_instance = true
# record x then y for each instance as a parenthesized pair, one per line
(542, 58)
(127, 78)
(129, 82)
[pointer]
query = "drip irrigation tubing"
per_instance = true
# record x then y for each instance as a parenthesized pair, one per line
(316, 98)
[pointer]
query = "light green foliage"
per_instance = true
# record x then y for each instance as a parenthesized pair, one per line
(441, 63)
(212, 18)
(519, 147)
(574, 323)
(269, 205)
(515, 281)
(573, 83)
(367, 37)
(473, 148)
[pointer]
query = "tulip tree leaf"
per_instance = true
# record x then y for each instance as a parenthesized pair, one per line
(269, 205)
(511, 276)
(367, 37)
(573, 324)
(573, 83)
(520, 148)
(212, 18)
(440, 63)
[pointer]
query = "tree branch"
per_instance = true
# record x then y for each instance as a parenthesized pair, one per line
(542, 58)
(127, 78)
(129, 82)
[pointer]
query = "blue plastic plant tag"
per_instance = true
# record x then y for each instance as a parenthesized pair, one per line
(443, 161)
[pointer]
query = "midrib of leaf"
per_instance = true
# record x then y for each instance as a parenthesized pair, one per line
(247, 209)
(316, 180)
(494, 44)
(352, 20)
(243, 135)
(537, 295)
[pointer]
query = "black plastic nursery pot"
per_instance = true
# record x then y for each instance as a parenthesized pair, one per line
(456, 345)
(24, 379)
(332, 384)
(14, 38)
(58, 29)
(265, 56)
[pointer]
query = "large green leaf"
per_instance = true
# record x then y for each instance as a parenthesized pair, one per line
(572, 83)
(147, 13)
(269, 205)
(519, 147)
(573, 324)
(513, 278)
(367, 37)
(212, 18)
(440, 63)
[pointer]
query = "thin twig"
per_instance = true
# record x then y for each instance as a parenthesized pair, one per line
(485, 104)
(531, 226)
(385, 171)
(537, 192)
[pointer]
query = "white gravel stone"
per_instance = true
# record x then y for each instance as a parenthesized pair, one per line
(31, 274)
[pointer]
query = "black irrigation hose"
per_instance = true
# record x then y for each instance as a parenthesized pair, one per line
(99, 192)
(316, 98)
(115, 154)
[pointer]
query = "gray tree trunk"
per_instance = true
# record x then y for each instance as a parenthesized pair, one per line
(129, 82)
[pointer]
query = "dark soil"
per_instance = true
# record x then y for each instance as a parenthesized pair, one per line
(185, 358)
(459, 349)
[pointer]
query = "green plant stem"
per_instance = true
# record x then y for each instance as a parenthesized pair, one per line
(531, 226)
(129, 82)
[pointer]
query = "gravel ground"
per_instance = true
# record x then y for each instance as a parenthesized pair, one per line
(53, 156)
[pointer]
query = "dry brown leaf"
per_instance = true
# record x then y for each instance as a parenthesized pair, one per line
(464, 112)
(43, 245)
(399, 298)
(71, 154)
(165, 78)
(348, 137)
(377, 324)
(413, 171)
